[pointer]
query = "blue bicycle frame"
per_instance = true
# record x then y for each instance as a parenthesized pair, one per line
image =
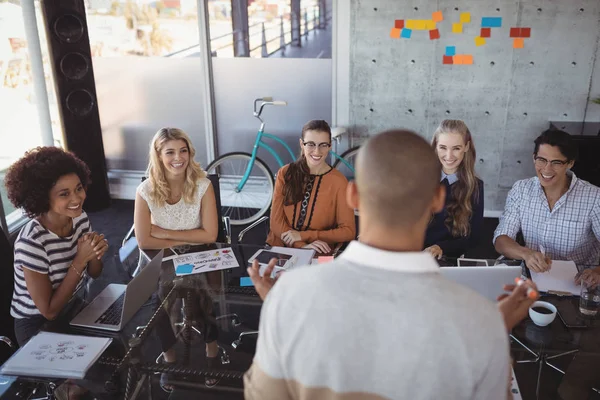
(259, 143)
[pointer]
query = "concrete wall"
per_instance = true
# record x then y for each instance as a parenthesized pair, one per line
(506, 98)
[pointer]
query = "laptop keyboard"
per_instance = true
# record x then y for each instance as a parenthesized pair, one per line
(112, 316)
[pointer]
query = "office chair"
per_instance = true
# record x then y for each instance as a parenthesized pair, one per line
(223, 234)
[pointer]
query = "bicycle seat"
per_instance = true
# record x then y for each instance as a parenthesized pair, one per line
(338, 131)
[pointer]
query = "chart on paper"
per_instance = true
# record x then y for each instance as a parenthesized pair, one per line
(204, 261)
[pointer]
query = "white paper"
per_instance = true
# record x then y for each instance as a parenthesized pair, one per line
(205, 261)
(561, 277)
(55, 355)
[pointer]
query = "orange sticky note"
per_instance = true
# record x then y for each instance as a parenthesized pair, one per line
(437, 16)
(518, 43)
(324, 259)
(479, 41)
(395, 33)
(467, 59)
(457, 27)
(458, 59)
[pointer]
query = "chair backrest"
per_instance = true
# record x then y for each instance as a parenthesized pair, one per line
(222, 235)
(7, 281)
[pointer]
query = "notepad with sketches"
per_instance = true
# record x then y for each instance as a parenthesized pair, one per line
(55, 355)
(205, 261)
(560, 279)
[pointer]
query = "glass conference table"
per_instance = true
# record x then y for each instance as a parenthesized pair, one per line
(131, 367)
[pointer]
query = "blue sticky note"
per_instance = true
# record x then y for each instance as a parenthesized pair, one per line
(246, 281)
(406, 33)
(450, 50)
(184, 269)
(491, 22)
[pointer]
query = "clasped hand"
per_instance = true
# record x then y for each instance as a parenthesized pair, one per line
(91, 245)
(538, 262)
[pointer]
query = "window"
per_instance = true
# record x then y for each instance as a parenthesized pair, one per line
(24, 117)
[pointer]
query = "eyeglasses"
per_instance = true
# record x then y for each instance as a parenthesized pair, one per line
(541, 162)
(312, 145)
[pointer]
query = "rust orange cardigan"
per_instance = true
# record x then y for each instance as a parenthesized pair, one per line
(328, 217)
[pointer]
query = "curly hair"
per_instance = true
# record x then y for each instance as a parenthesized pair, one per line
(30, 179)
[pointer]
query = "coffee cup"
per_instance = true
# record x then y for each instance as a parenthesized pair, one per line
(542, 313)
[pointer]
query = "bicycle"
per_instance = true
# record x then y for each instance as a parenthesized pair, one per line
(246, 182)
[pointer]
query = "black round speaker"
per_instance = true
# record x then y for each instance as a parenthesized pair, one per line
(69, 28)
(80, 102)
(74, 66)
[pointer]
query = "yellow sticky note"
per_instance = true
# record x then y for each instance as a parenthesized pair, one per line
(395, 33)
(457, 27)
(420, 24)
(518, 43)
(410, 24)
(465, 17)
(479, 41)
(430, 25)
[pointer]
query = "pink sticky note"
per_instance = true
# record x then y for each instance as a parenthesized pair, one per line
(324, 259)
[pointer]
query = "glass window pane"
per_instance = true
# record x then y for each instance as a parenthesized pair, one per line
(148, 75)
(19, 109)
(274, 29)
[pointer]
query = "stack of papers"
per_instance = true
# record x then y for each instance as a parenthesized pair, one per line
(54, 355)
(560, 278)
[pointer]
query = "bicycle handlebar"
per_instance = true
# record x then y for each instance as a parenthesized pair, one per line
(266, 101)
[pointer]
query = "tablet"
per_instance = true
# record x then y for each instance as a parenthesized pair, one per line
(570, 315)
(263, 256)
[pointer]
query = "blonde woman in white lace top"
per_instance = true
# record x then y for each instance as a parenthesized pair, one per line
(176, 205)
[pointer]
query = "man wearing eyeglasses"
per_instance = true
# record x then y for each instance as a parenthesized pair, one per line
(558, 214)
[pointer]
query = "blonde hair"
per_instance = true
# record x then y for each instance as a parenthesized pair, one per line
(160, 191)
(467, 187)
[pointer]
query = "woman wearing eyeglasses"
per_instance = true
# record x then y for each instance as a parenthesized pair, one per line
(457, 227)
(309, 207)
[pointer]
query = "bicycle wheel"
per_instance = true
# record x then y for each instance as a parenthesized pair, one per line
(350, 157)
(252, 202)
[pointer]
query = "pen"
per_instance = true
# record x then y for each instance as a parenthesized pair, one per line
(531, 293)
(542, 250)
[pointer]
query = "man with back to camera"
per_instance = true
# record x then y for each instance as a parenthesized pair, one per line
(558, 214)
(380, 321)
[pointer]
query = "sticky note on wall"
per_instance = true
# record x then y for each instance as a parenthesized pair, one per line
(450, 50)
(395, 33)
(457, 28)
(406, 33)
(518, 43)
(467, 59)
(437, 16)
(434, 34)
(465, 17)
(410, 24)
(479, 41)
(399, 24)
(491, 22)
(430, 25)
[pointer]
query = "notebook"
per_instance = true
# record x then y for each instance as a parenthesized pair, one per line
(560, 278)
(55, 355)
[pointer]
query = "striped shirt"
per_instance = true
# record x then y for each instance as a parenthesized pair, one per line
(570, 231)
(40, 250)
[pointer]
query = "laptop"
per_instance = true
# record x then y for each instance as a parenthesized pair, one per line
(487, 281)
(117, 303)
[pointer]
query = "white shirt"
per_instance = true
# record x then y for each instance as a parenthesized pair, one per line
(180, 216)
(571, 231)
(377, 324)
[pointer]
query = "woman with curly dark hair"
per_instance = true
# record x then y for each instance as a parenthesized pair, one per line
(57, 248)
